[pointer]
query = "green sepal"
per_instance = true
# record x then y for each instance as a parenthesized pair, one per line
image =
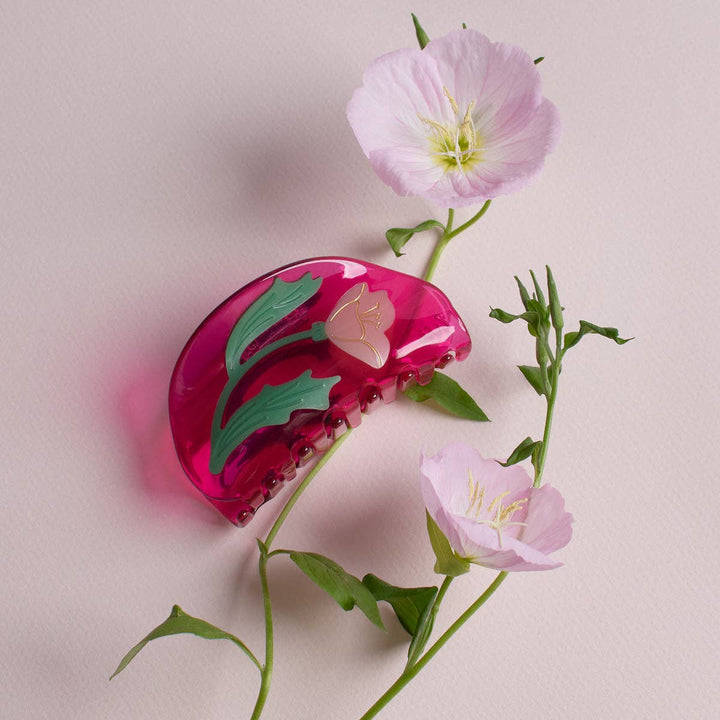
(534, 376)
(586, 328)
(344, 588)
(541, 310)
(409, 604)
(273, 405)
(398, 237)
(180, 622)
(538, 60)
(447, 393)
(524, 294)
(271, 307)
(422, 633)
(524, 450)
(538, 290)
(555, 308)
(447, 562)
(422, 37)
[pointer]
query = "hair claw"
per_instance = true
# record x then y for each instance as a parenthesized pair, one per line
(285, 365)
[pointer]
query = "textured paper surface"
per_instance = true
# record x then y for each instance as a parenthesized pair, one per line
(158, 156)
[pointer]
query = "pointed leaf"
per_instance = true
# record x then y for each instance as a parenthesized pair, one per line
(586, 328)
(534, 377)
(408, 603)
(273, 405)
(524, 450)
(397, 237)
(538, 290)
(180, 622)
(271, 307)
(555, 307)
(529, 317)
(422, 37)
(524, 294)
(447, 562)
(344, 588)
(447, 393)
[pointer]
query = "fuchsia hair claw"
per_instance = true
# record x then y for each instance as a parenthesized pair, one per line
(287, 363)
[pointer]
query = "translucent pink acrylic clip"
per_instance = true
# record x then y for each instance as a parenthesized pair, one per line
(285, 365)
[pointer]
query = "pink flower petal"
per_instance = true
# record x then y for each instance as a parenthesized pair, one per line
(491, 514)
(415, 108)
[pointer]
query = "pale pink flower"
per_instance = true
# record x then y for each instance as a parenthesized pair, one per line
(490, 514)
(457, 123)
(358, 322)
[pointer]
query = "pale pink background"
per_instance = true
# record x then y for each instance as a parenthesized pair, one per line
(155, 156)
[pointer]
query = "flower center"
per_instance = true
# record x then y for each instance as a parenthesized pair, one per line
(496, 516)
(454, 146)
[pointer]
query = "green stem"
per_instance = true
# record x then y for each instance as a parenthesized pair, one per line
(410, 673)
(438, 251)
(301, 488)
(471, 221)
(555, 376)
(424, 631)
(448, 235)
(267, 669)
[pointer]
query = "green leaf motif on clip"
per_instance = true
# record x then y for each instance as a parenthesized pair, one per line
(180, 622)
(273, 405)
(271, 307)
(447, 393)
(344, 588)
(409, 604)
(398, 237)
(447, 562)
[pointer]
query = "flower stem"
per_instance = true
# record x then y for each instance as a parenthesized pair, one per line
(448, 235)
(267, 668)
(411, 672)
(471, 221)
(423, 632)
(301, 488)
(554, 378)
(438, 251)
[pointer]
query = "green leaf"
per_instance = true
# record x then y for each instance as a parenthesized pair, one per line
(447, 393)
(538, 290)
(555, 307)
(524, 450)
(422, 37)
(397, 237)
(273, 405)
(586, 328)
(408, 603)
(530, 316)
(272, 306)
(346, 589)
(524, 295)
(538, 60)
(534, 377)
(180, 622)
(447, 561)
